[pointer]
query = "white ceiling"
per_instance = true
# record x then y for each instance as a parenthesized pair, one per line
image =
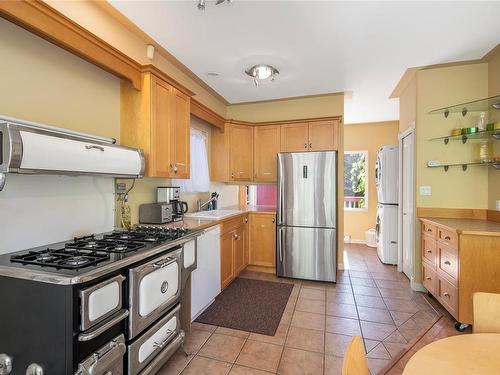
(318, 46)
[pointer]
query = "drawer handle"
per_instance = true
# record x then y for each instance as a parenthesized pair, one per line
(447, 238)
(236, 237)
(428, 278)
(429, 251)
(429, 230)
(446, 294)
(447, 262)
(163, 343)
(89, 335)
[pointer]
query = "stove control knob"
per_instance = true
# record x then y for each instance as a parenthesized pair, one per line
(5, 364)
(34, 369)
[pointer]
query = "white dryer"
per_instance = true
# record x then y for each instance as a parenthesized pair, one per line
(387, 233)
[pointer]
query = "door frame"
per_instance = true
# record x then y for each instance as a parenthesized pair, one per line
(408, 132)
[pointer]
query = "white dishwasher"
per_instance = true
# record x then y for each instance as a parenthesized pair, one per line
(205, 280)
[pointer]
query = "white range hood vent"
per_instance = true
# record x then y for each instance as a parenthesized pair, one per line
(27, 147)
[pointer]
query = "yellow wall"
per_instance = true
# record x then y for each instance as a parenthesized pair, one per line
(367, 137)
(93, 18)
(408, 106)
(43, 83)
(289, 109)
(438, 88)
(494, 89)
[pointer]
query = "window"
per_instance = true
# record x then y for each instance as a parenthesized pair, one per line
(356, 180)
(200, 179)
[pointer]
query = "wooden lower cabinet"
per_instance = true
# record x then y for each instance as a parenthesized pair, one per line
(234, 249)
(457, 263)
(262, 242)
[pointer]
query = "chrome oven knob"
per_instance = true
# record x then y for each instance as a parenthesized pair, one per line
(5, 364)
(34, 369)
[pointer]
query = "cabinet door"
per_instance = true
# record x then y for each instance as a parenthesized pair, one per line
(226, 259)
(267, 146)
(239, 239)
(323, 135)
(294, 137)
(161, 103)
(263, 240)
(179, 128)
(241, 153)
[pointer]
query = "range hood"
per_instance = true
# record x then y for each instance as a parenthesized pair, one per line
(27, 147)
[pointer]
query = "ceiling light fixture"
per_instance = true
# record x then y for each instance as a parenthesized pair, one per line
(261, 72)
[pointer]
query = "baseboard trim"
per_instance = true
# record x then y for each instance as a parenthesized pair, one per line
(361, 242)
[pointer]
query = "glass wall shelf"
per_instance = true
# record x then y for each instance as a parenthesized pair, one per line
(464, 166)
(481, 105)
(481, 135)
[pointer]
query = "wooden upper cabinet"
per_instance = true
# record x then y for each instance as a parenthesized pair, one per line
(267, 145)
(323, 135)
(294, 137)
(240, 152)
(156, 119)
(180, 134)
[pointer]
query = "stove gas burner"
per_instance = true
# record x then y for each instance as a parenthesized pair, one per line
(77, 261)
(121, 247)
(150, 239)
(44, 257)
(124, 236)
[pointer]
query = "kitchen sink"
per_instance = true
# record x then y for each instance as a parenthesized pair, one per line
(212, 215)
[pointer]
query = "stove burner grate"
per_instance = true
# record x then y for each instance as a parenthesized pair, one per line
(61, 258)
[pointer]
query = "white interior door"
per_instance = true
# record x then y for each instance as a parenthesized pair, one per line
(407, 173)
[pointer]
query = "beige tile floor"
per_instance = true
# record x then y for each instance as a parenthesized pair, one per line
(370, 299)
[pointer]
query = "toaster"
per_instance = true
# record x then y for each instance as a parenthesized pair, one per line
(155, 213)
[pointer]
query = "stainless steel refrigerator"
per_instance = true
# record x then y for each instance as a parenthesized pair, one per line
(307, 215)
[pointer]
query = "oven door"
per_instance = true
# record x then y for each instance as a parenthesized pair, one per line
(100, 301)
(154, 287)
(107, 360)
(153, 341)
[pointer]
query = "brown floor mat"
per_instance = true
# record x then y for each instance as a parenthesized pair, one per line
(249, 305)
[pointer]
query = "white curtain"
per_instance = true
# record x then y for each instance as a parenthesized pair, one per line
(200, 179)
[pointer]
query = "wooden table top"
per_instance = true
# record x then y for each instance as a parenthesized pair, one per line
(476, 353)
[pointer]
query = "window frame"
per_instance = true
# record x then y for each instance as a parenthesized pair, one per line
(367, 187)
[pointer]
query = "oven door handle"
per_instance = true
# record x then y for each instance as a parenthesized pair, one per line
(89, 335)
(164, 342)
(162, 264)
(103, 361)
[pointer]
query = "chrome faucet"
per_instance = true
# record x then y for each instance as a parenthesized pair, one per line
(213, 198)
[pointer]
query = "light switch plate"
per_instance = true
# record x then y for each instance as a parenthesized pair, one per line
(425, 190)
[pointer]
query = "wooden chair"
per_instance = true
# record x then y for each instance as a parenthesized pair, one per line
(355, 359)
(486, 313)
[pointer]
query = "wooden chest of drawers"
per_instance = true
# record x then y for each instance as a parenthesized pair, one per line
(457, 263)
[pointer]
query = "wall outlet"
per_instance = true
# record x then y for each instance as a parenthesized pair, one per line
(347, 238)
(121, 187)
(425, 190)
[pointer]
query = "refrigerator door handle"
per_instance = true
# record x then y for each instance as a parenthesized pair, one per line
(280, 245)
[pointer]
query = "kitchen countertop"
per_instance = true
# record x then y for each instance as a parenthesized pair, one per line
(467, 226)
(194, 223)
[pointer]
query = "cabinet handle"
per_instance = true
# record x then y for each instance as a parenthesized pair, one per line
(274, 220)
(232, 175)
(310, 145)
(447, 238)
(447, 263)
(427, 278)
(245, 220)
(429, 230)
(305, 145)
(173, 167)
(429, 251)
(446, 294)
(236, 237)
